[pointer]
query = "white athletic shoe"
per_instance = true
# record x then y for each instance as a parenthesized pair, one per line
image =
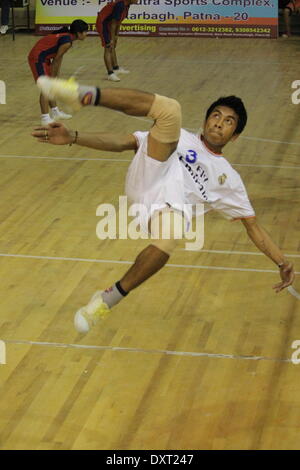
(90, 314)
(66, 91)
(113, 77)
(45, 120)
(121, 70)
(57, 115)
(4, 29)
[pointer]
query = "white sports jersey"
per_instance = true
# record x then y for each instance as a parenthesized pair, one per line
(210, 178)
(192, 174)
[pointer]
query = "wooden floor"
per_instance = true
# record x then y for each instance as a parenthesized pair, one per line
(120, 387)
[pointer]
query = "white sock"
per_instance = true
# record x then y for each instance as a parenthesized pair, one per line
(113, 295)
(46, 115)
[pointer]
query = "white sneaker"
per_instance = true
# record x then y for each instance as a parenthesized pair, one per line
(57, 115)
(4, 29)
(121, 70)
(90, 314)
(66, 91)
(113, 77)
(45, 120)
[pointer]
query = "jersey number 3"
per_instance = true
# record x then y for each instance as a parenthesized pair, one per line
(191, 156)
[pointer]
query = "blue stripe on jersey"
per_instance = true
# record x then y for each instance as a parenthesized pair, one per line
(39, 66)
(118, 10)
(64, 40)
(44, 54)
(106, 32)
(116, 13)
(53, 50)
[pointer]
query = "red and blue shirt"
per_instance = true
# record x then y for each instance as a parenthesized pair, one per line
(117, 10)
(47, 47)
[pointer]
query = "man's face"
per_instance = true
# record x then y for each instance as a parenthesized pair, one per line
(220, 126)
(82, 36)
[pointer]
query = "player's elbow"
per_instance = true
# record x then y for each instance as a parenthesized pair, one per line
(57, 60)
(122, 147)
(127, 142)
(55, 66)
(119, 148)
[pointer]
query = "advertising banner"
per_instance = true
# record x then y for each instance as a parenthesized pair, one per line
(197, 18)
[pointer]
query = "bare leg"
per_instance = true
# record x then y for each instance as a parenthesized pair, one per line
(132, 102)
(287, 21)
(147, 263)
(44, 104)
(108, 59)
(114, 57)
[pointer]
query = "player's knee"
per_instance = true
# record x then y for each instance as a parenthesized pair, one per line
(166, 113)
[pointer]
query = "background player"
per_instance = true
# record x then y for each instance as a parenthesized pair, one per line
(171, 167)
(5, 7)
(289, 7)
(45, 58)
(108, 24)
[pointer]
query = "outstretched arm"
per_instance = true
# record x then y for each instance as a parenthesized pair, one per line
(57, 134)
(265, 244)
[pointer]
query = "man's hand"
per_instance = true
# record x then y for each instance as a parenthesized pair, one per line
(264, 242)
(55, 133)
(287, 275)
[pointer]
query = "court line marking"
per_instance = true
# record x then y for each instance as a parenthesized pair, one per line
(200, 61)
(80, 159)
(176, 61)
(118, 160)
(285, 167)
(110, 261)
(229, 252)
(146, 351)
(259, 139)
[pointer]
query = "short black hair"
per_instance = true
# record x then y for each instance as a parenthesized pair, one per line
(234, 103)
(78, 26)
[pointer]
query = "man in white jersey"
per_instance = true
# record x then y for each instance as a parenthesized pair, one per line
(171, 167)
